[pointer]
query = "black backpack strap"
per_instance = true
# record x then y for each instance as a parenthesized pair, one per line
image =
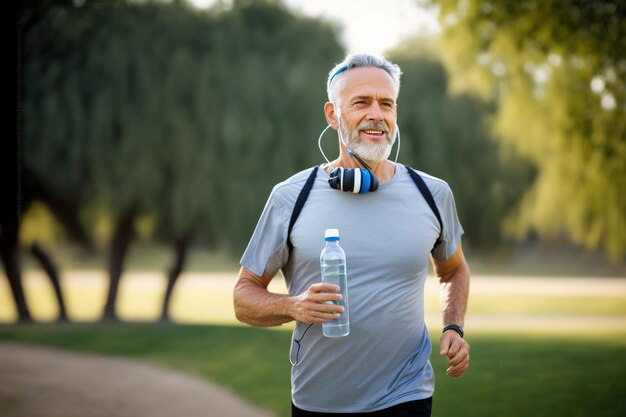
(425, 191)
(302, 197)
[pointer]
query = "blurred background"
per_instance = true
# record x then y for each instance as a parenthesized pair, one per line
(150, 133)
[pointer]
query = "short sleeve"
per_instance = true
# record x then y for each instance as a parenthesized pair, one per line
(452, 229)
(267, 250)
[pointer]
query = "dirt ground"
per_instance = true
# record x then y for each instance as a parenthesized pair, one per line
(44, 382)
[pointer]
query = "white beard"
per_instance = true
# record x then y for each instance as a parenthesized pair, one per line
(371, 153)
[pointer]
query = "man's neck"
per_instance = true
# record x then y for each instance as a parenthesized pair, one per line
(384, 170)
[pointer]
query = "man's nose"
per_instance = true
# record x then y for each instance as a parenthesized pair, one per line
(375, 113)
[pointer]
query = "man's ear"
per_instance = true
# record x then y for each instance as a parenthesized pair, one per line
(331, 115)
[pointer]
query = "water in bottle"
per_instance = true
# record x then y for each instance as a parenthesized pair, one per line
(333, 267)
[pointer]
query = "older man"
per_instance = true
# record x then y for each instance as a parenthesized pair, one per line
(389, 232)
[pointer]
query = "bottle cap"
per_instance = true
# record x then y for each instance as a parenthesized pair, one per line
(331, 234)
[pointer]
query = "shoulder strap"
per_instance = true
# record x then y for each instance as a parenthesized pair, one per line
(425, 191)
(306, 190)
(302, 197)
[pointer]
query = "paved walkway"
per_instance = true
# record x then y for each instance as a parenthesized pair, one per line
(44, 382)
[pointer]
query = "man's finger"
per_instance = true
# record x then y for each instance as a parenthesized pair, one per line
(324, 287)
(459, 370)
(454, 348)
(327, 308)
(457, 359)
(322, 297)
(319, 317)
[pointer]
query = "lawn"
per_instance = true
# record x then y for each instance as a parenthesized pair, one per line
(512, 374)
(540, 347)
(206, 298)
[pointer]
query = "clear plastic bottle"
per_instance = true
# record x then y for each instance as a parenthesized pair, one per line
(333, 268)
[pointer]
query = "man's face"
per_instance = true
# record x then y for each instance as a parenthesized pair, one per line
(368, 112)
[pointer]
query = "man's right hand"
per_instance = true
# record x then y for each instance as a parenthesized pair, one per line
(312, 306)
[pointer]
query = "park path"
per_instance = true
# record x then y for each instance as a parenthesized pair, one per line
(39, 381)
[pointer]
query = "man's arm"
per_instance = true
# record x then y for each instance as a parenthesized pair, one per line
(256, 306)
(454, 277)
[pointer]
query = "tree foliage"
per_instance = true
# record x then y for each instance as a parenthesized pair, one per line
(188, 117)
(448, 136)
(556, 71)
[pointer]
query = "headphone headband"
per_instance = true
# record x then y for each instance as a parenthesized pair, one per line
(339, 71)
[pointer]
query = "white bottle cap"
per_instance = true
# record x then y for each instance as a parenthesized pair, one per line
(331, 233)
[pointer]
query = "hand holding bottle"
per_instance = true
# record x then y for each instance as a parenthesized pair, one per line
(317, 304)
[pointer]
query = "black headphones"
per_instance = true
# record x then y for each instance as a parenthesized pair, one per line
(357, 181)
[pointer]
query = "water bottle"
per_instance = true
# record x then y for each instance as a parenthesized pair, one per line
(333, 267)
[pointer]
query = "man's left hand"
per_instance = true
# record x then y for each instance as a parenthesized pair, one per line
(457, 350)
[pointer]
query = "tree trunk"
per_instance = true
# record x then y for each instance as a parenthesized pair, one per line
(180, 246)
(10, 259)
(10, 165)
(119, 247)
(51, 270)
(65, 209)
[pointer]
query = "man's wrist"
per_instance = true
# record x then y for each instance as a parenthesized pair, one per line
(454, 327)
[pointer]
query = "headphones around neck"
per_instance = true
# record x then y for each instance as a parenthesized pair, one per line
(358, 180)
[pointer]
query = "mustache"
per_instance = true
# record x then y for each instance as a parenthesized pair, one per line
(374, 126)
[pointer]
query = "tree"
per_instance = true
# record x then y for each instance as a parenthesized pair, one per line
(448, 136)
(255, 97)
(18, 187)
(556, 71)
(162, 111)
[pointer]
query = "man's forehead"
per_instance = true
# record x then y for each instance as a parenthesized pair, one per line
(366, 81)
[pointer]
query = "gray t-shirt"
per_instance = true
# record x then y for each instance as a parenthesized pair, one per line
(387, 236)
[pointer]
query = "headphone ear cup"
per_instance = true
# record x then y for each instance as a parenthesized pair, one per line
(347, 183)
(366, 181)
(374, 183)
(335, 178)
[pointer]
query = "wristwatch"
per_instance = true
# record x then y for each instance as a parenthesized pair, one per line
(454, 327)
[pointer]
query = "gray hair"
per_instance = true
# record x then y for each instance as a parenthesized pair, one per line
(359, 61)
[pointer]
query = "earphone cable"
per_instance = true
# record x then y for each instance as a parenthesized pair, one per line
(319, 144)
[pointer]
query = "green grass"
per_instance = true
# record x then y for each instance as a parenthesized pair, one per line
(204, 299)
(592, 305)
(564, 374)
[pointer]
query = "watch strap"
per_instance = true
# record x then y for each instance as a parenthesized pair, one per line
(454, 327)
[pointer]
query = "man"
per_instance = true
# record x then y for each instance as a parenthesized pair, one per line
(382, 367)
